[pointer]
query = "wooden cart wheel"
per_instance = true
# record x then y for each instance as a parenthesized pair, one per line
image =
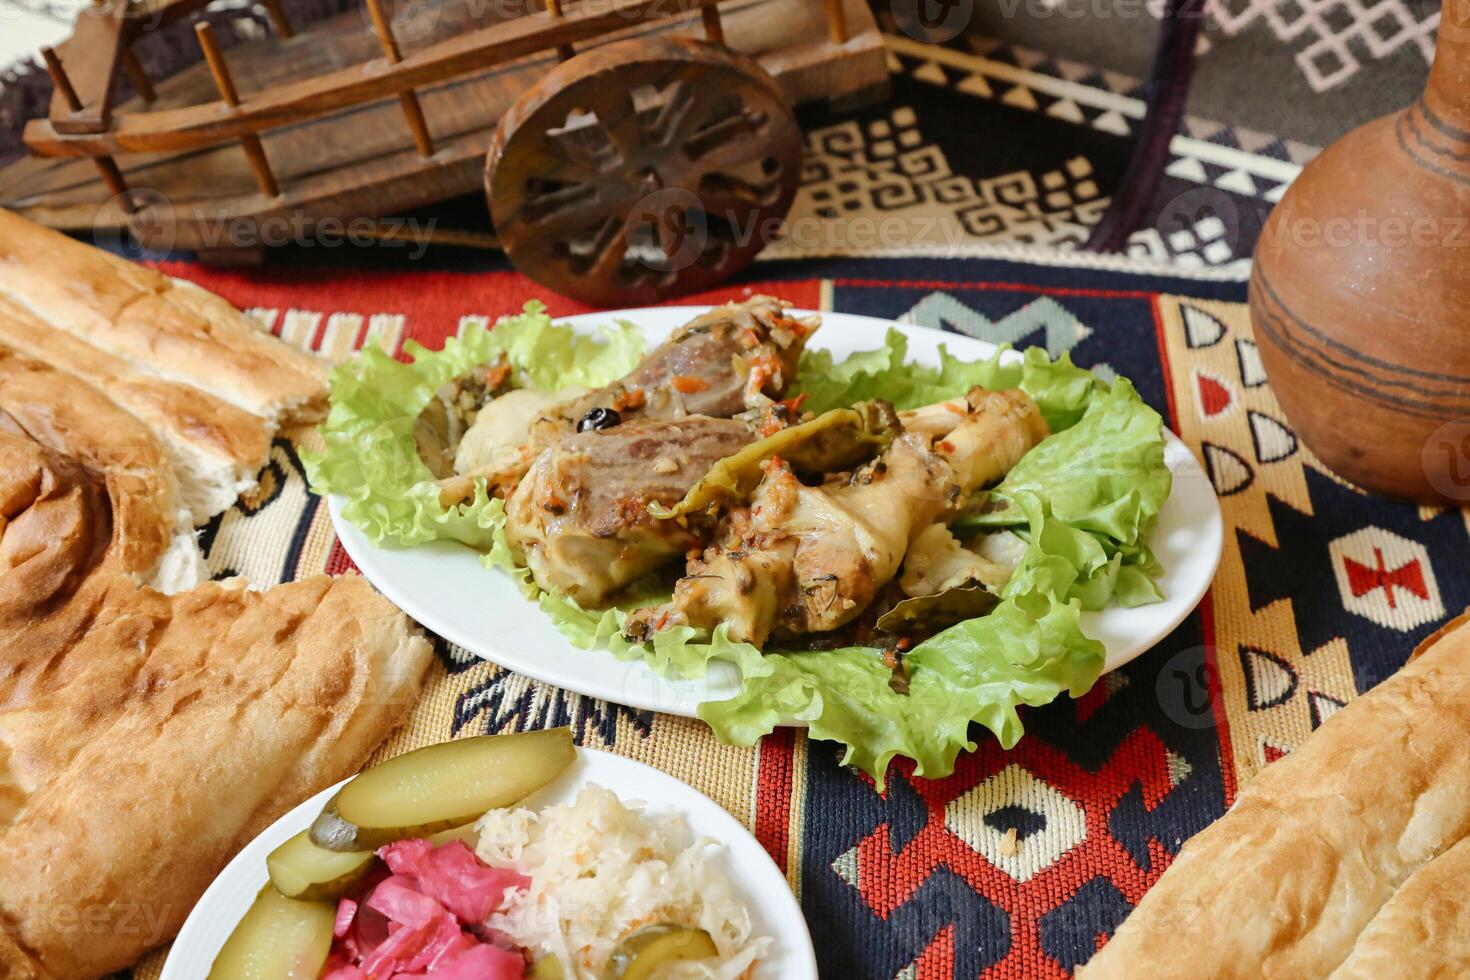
(643, 169)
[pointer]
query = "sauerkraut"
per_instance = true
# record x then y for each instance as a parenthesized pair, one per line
(600, 870)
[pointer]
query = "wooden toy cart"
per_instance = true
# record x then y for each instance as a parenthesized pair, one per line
(630, 148)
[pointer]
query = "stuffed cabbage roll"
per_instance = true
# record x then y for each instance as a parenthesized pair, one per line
(806, 559)
(580, 517)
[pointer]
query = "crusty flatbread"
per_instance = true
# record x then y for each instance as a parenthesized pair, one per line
(147, 771)
(145, 738)
(1423, 930)
(1333, 845)
(72, 418)
(216, 448)
(174, 330)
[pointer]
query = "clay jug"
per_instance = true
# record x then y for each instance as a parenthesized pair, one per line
(1360, 294)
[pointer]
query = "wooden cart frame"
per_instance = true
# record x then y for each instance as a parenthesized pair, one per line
(347, 119)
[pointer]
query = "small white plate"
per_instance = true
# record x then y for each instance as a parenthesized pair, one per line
(758, 883)
(444, 587)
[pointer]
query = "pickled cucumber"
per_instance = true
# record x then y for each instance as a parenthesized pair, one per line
(299, 869)
(639, 956)
(546, 968)
(279, 938)
(439, 787)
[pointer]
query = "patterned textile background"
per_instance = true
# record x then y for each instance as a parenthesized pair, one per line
(1012, 121)
(1322, 592)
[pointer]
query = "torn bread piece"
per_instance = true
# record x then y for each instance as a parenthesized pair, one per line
(153, 529)
(173, 329)
(1320, 843)
(1423, 930)
(145, 738)
(216, 449)
(237, 706)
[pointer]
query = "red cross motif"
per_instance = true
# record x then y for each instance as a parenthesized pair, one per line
(1363, 579)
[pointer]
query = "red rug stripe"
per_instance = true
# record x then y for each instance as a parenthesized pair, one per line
(1015, 287)
(337, 560)
(433, 301)
(1164, 360)
(773, 794)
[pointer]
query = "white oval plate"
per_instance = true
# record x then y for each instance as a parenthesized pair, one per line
(758, 882)
(444, 587)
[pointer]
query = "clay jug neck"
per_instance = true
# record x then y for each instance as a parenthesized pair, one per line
(1448, 94)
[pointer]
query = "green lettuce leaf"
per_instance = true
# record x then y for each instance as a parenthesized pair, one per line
(1083, 500)
(370, 456)
(1094, 490)
(1060, 388)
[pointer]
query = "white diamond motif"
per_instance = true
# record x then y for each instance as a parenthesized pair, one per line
(1066, 822)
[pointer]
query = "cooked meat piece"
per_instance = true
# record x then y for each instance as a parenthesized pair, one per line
(804, 559)
(735, 357)
(495, 447)
(580, 517)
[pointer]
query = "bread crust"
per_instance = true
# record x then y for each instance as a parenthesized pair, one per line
(241, 705)
(146, 738)
(1423, 930)
(216, 448)
(70, 417)
(1322, 841)
(178, 331)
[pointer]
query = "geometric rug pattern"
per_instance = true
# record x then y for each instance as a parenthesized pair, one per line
(1022, 862)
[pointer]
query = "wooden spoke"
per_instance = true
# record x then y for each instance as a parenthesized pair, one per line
(107, 167)
(836, 22)
(565, 211)
(714, 29)
(612, 248)
(250, 143)
(731, 140)
(141, 83)
(413, 113)
(279, 20)
(643, 169)
(60, 79)
(563, 51)
(663, 113)
(735, 204)
(584, 141)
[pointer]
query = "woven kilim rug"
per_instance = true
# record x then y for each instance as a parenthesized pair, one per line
(1322, 592)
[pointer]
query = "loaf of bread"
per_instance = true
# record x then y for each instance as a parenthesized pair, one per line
(154, 530)
(145, 738)
(216, 448)
(1329, 856)
(174, 330)
(204, 378)
(1423, 930)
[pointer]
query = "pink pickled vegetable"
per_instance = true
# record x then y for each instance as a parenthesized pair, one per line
(480, 963)
(453, 876)
(424, 918)
(346, 911)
